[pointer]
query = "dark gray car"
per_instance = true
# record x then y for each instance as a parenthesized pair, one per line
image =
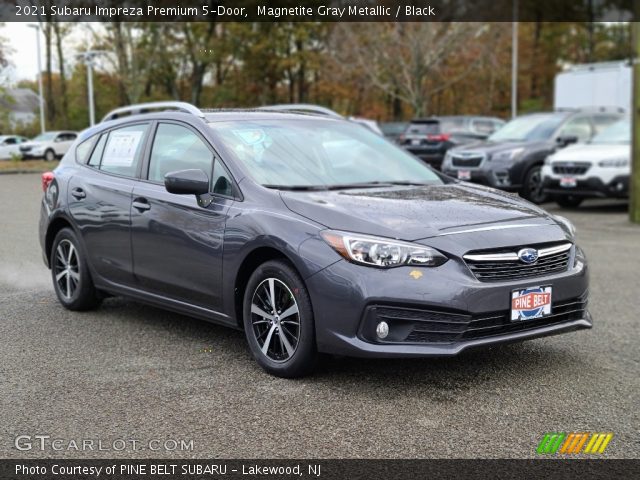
(311, 233)
(511, 159)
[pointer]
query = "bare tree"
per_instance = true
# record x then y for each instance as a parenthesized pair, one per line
(399, 58)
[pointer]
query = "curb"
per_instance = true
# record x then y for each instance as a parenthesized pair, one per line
(20, 171)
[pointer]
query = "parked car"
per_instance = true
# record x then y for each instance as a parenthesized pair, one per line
(430, 138)
(48, 145)
(511, 159)
(599, 169)
(10, 146)
(393, 130)
(305, 231)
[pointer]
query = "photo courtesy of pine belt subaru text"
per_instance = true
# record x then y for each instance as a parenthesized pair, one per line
(307, 231)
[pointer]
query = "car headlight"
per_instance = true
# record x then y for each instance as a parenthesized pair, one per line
(381, 252)
(614, 162)
(566, 224)
(507, 156)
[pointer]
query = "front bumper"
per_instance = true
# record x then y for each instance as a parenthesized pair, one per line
(501, 178)
(594, 187)
(441, 313)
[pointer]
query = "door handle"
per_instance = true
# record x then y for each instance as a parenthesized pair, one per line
(141, 204)
(78, 193)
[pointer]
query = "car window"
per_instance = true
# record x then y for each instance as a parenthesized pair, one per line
(96, 156)
(579, 127)
(423, 128)
(177, 148)
(317, 153)
(83, 150)
(123, 150)
(602, 122)
(221, 180)
(482, 126)
(10, 141)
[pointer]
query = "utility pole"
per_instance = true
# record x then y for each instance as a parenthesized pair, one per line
(88, 58)
(634, 187)
(514, 61)
(40, 95)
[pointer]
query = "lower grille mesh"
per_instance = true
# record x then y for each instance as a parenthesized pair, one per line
(444, 327)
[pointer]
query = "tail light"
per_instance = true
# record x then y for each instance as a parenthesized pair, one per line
(47, 178)
(443, 137)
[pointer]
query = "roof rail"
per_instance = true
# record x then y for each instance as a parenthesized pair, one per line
(147, 107)
(593, 109)
(301, 108)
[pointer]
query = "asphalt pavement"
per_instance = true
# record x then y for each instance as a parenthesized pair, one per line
(128, 373)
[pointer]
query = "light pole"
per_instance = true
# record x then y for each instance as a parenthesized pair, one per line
(88, 58)
(41, 96)
(514, 61)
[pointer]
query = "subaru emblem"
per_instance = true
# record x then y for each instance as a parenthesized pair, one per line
(528, 255)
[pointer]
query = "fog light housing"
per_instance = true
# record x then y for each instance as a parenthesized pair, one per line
(382, 330)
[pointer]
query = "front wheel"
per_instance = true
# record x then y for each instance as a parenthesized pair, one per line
(71, 277)
(569, 201)
(532, 187)
(278, 321)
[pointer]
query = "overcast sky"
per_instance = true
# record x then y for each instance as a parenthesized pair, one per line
(22, 40)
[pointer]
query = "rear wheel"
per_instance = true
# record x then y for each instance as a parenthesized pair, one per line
(278, 320)
(569, 201)
(70, 273)
(49, 155)
(532, 187)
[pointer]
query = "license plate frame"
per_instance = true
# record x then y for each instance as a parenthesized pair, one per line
(531, 303)
(568, 182)
(464, 174)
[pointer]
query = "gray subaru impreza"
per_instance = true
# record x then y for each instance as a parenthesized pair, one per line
(307, 231)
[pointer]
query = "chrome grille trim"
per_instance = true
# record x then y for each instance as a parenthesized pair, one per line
(513, 256)
(502, 266)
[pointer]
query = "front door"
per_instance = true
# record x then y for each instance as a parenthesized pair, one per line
(178, 244)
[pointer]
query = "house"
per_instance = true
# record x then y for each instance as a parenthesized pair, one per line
(21, 104)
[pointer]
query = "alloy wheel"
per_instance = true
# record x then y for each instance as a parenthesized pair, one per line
(275, 319)
(66, 268)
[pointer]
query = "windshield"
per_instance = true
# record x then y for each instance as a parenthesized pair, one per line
(45, 137)
(318, 153)
(539, 126)
(619, 132)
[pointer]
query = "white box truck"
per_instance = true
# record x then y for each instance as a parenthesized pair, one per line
(606, 84)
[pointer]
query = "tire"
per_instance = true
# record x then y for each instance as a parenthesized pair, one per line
(49, 155)
(532, 186)
(569, 201)
(70, 274)
(286, 349)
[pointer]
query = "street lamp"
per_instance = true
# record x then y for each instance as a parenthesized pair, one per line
(88, 58)
(41, 96)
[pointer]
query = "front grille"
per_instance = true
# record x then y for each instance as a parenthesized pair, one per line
(427, 326)
(571, 168)
(474, 161)
(487, 267)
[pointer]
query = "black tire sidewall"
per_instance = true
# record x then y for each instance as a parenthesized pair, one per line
(305, 356)
(85, 296)
(526, 192)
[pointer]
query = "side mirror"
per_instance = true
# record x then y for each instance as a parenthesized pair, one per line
(187, 182)
(565, 140)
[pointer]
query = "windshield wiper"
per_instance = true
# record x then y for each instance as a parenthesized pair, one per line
(341, 186)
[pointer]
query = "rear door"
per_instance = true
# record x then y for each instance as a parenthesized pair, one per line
(100, 199)
(177, 242)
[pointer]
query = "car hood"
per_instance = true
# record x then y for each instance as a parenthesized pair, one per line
(490, 148)
(591, 152)
(416, 212)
